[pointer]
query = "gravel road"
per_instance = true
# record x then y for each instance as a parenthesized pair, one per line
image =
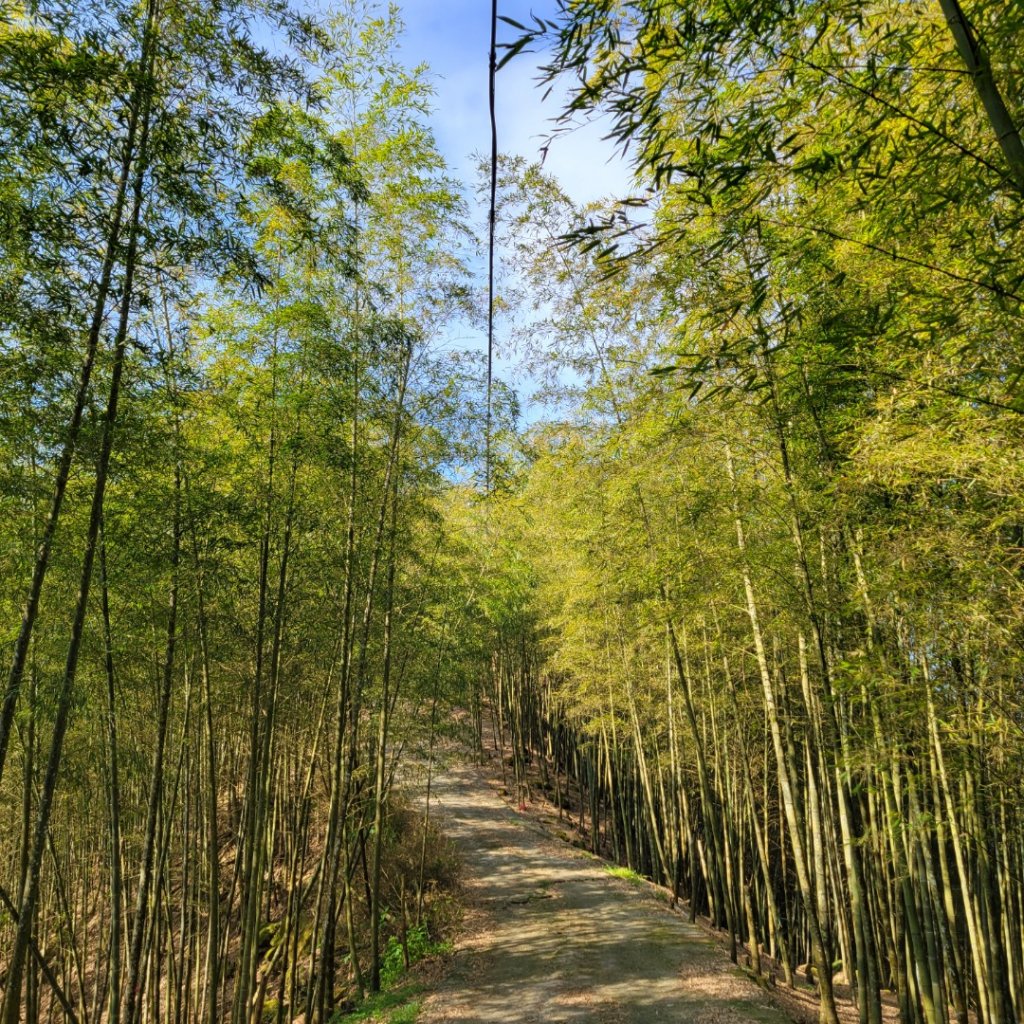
(552, 937)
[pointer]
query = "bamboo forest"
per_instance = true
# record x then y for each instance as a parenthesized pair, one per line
(373, 499)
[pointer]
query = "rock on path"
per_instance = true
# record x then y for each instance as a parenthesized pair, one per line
(554, 938)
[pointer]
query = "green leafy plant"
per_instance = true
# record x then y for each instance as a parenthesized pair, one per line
(419, 946)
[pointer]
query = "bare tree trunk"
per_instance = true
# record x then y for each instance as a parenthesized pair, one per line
(114, 783)
(793, 817)
(30, 889)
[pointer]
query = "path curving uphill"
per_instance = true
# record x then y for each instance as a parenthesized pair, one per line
(554, 938)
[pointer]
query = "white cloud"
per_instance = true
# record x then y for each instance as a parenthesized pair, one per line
(587, 165)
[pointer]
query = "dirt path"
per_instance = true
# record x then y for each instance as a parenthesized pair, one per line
(554, 938)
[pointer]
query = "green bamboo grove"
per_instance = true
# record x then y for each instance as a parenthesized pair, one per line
(767, 561)
(230, 600)
(744, 592)
(831, 783)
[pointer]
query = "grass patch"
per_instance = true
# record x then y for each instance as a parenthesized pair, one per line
(395, 1005)
(407, 1014)
(627, 873)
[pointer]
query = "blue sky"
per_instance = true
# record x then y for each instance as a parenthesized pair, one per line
(453, 37)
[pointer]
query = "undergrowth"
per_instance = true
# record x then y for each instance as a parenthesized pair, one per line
(396, 1006)
(419, 945)
(397, 1003)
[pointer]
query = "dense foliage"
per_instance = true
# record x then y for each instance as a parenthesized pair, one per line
(776, 543)
(749, 599)
(228, 240)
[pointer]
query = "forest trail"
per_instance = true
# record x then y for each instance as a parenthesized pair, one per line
(553, 937)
